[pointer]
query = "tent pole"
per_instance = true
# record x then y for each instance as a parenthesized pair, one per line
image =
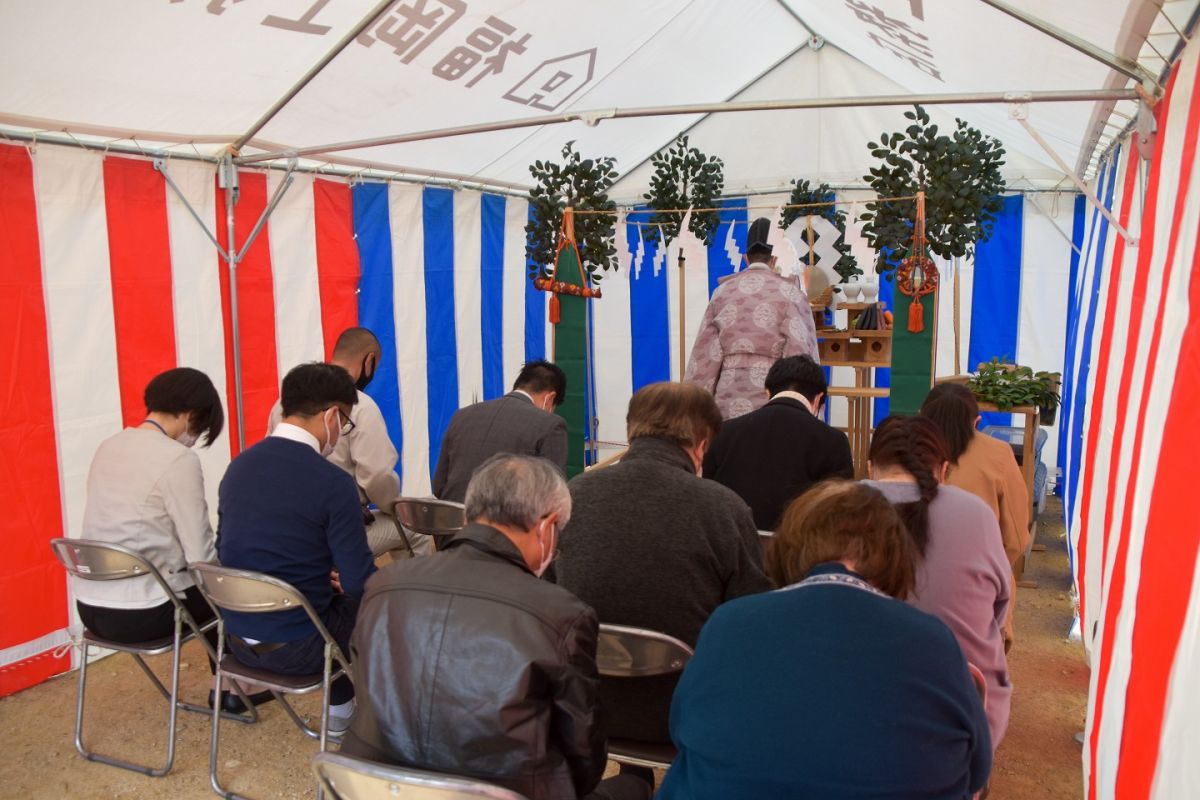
(1083, 187)
(262, 220)
(956, 266)
(313, 71)
(1123, 65)
(161, 166)
(593, 117)
(230, 176)
(682, 310)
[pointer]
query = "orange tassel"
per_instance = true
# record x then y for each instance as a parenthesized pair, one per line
(555, 310)
(916, 316)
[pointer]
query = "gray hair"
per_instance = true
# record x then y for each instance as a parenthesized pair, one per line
(517, 491)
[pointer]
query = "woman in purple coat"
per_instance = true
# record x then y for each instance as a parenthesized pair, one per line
(963, 575)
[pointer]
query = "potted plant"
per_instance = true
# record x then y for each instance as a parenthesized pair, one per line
(1007, 386)
(684, 178)
(580, 183)
(1051, 395)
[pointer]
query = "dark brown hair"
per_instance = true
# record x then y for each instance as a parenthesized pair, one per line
(915, 445)
(844, 520)
(682, 413)
(953, 408)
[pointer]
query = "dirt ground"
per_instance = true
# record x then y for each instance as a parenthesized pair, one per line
(1038, 760)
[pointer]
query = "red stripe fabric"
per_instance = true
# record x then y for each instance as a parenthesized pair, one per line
(1116, 588)
(33, 596)
(256, 312)
(1104, 358)
(337, 259)
(1172, 538)
(33, 670)
(139, 255)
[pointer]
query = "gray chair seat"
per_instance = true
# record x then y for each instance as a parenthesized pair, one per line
(294, 684)
(151, 647)
(643, 754)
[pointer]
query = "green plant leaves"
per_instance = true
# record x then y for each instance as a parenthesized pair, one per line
(582, 184)
(684, 178)
(960, 175)
(1008, 385)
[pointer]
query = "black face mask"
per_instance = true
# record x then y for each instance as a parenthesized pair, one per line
(364, 377)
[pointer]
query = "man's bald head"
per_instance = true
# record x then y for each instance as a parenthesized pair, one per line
(355, 343)
(357, 351)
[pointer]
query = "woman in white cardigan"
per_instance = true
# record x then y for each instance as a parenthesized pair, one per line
(145, 491)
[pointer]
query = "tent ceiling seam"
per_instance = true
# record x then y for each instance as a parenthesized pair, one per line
(741, 89)
(312, 73)
(611, 72)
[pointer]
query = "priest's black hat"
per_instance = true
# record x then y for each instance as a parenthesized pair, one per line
(756, 238)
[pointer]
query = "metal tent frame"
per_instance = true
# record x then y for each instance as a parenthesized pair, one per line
(1146, 90)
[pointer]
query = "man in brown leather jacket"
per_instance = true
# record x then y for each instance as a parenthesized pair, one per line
(466, 663)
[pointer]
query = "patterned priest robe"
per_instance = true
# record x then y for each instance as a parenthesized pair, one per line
(754, 318)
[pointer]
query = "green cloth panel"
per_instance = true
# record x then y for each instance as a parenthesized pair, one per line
(912, 356)
(570, 353)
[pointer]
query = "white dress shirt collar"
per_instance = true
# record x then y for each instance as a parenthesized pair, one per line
(795, 396)
(286, 430)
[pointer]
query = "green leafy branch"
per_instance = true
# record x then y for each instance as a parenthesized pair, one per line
(684, 178)
(583, 184)
(960, 175)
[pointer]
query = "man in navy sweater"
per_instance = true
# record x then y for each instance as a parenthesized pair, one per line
(286, 511)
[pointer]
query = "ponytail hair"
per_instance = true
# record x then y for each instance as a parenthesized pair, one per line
(915, 445)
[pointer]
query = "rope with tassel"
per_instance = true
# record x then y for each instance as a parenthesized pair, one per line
(566, 238)
(917, 276)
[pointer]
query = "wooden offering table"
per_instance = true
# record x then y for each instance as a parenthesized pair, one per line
(863, 351)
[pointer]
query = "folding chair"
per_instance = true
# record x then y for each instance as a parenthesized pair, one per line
(91, 560)
(440, 519)
(624, 652)
(346, 778)
(254, 593)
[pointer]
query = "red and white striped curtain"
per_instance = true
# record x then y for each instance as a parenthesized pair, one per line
(1134, 525)
(107, 280)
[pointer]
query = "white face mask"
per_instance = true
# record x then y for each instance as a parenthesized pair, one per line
(545, 559)
(330, 435)
(187, 438)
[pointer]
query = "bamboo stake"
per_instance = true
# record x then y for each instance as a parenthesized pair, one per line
(957, 327)
(682, 313)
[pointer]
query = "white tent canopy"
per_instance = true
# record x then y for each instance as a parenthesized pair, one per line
(195, 76)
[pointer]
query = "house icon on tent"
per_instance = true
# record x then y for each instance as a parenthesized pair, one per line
(555, 80)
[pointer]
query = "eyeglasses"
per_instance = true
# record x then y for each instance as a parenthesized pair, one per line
(348, 426)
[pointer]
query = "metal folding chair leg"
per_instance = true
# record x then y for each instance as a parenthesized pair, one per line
(170, 695)
(321, 735)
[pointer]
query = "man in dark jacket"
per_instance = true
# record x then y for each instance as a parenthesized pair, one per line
(772, 455)
(651, 545)
(522, 422)
(467, 664)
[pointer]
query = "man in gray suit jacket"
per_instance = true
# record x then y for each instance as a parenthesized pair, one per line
(521, 422)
